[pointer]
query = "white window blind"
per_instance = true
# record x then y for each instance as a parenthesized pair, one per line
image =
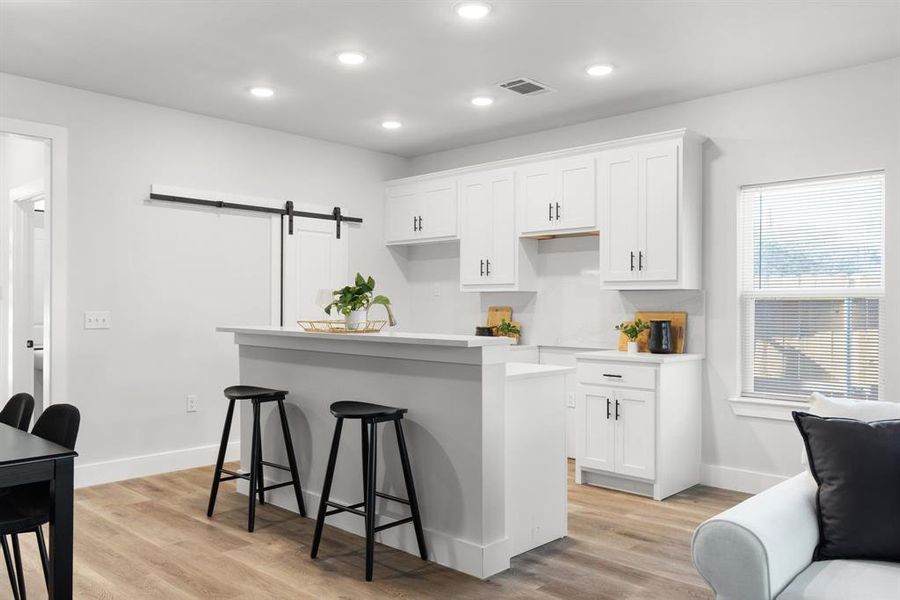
(812, 279)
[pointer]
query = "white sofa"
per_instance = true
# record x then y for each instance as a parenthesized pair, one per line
(762, 548)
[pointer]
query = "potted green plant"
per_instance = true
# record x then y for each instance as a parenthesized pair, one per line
(632, 329)
(509, 330)
(353, 301)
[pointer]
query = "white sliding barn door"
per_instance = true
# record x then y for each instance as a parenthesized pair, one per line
(314, 259)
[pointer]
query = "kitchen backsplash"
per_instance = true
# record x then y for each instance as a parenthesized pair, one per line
(571, 308)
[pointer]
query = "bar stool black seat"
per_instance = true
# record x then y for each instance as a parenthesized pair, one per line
(258, 488)
(370, 415)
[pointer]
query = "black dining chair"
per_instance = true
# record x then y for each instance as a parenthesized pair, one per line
(26, 508)
(17, 412)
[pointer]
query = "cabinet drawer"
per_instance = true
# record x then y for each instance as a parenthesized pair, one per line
(617, 374)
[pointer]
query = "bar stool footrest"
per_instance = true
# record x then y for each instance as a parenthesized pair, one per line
(233, 475)
(276, 486)
(392, 498)
(342, 508)
(275, 465)
(394, 524)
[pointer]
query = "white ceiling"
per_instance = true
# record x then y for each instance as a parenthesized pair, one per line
(425, 63)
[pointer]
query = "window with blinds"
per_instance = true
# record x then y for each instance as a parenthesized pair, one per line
(812, 278)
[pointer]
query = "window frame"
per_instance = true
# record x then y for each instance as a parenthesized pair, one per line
(773, 403)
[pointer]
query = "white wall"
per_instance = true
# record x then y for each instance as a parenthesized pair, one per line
(170, 275)
(836, 122)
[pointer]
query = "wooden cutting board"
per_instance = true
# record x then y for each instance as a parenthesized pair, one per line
(679, 329)
(496, 314)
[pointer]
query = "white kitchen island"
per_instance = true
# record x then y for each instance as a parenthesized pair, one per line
(456, 430)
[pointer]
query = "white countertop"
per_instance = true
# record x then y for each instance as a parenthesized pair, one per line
(384, 337)
(517, 370)
(641, 357)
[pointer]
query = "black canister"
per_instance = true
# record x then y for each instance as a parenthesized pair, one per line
(661, 340)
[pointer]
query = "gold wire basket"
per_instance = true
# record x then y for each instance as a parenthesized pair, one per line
(341, 326)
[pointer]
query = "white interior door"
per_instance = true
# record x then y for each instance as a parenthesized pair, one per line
(314, 259)
(24, 312)
(658, 183)
(635, 433)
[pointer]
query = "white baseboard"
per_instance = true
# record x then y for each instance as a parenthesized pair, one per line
(471, 558)
(739, 480)
(120, 469)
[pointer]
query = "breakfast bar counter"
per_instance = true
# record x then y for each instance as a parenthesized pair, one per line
(455, 390)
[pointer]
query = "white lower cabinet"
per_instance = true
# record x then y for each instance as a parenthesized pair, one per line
(638, 426)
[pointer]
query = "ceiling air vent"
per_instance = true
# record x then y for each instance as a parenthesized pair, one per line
(525, 86)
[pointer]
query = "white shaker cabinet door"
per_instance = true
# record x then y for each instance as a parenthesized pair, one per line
(658, 191)
(438, 209)
(617, 180)
(596, 434)
(576, 206)
(635, 423)
(476, 208)
(537, 185)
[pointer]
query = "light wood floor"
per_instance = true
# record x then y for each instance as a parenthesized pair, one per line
(150, 538)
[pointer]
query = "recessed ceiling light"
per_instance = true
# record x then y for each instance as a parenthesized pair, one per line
(391, 124)
(482, 100)
(599, 70)
(262, 92)
(473, 10)
(351, 58)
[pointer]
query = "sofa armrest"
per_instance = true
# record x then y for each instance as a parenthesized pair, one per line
(755, 549)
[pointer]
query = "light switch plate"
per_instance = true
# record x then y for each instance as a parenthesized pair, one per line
(96, 319)
(191, 404)
(570, 397)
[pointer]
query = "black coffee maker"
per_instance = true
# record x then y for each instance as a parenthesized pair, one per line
(662, 341)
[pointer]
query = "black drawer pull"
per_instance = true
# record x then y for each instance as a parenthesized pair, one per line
(612, 375)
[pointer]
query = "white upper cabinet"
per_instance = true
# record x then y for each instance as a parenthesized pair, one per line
(422, 211)
(650, 203)
(491, 256)
(557, 196)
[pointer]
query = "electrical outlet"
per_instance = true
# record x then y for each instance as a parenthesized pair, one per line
(96, 319)
(437, 290)
(570, 398)
(191, 405)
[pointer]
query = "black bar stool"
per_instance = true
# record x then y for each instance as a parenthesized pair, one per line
(257, 395)
(370, 415)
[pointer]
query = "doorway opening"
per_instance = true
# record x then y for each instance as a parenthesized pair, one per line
(25, 188)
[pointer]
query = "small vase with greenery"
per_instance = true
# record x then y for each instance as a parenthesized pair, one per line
(632, 330)
(353, 302)
(509, 330)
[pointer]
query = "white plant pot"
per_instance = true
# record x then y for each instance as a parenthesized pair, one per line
(356, 319)
(632, 347)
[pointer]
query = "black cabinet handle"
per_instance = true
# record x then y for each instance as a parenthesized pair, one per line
(632, 261)
(482, 268)
(415, 223)
(488, 270)
(608, 414)
(612, 375)
(640, 261)
(557, 211)
(420, 223)
(617, 409)
(550, 212)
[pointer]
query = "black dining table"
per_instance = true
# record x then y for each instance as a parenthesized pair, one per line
(27, 458)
